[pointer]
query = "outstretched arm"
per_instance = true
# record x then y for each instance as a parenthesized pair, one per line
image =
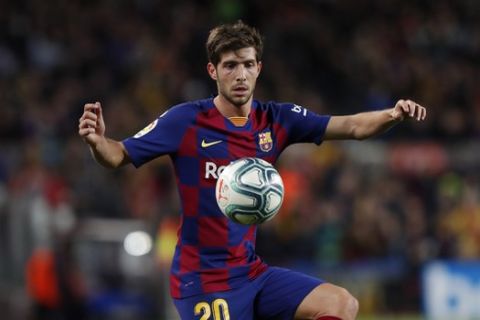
(367, 124)
(107, 152)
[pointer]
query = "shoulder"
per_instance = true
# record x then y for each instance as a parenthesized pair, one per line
(273, 107)
(186, 111)
(190, 106)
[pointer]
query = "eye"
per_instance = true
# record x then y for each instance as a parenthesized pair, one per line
(250, 64)
(230, 65)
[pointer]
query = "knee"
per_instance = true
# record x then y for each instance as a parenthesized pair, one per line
(352, 306)
(346, 305)
(341, 304)
(328, 300)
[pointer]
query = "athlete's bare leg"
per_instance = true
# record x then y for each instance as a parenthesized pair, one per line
(328, 300)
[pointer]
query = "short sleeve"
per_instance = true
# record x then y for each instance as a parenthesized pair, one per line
(302, 125)
(161, 137)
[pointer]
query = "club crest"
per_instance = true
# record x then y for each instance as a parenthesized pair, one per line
(265, 141)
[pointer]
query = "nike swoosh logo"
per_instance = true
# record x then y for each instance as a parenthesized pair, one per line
(206, 144)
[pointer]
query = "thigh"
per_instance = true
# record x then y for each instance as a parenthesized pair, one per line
(282, 292)
(232, 304)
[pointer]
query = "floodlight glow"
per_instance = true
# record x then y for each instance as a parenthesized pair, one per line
(137, 243)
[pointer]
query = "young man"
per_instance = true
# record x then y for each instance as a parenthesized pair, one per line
(215, 272)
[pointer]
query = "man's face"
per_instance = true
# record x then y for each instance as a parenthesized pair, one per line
(236, 75)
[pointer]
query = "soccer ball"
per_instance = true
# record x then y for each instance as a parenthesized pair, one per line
(249, 191)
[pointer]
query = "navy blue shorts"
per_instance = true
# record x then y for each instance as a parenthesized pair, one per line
(276, 294)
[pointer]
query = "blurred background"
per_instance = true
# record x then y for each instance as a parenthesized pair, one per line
(395, 219)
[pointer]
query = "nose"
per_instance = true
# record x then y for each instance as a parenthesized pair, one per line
(241, 73)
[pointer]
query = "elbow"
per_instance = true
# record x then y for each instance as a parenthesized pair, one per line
(111, 156)
(108, 164)
(358, 134)
(111, 163)
(361, 136)
(118, 162)
(365, 132)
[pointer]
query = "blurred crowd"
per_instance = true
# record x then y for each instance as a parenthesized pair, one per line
(335, 57)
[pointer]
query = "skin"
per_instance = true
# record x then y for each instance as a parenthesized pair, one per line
(107, 152)
(236, 75)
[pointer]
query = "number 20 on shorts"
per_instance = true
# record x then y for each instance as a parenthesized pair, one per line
(219, 308)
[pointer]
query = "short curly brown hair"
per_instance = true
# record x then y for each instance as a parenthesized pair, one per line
(232, 37)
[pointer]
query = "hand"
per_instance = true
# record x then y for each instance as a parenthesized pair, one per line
(91, 126)
(409, 109)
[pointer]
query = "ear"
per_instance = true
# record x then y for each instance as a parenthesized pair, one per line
(259, 67)
(212, 72)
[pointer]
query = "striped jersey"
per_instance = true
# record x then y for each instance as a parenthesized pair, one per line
(214, 253)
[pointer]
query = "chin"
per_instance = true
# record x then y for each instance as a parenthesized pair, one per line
(239, 101)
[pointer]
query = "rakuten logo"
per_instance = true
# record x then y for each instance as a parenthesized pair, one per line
(452, 290)
(212, 171)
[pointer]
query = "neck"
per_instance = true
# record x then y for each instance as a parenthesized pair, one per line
(228, 109)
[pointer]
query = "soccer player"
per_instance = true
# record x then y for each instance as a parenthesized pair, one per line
(215, 271)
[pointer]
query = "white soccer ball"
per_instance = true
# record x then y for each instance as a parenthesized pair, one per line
(249, 191)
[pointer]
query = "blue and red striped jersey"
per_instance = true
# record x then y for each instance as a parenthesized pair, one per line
(214, 253)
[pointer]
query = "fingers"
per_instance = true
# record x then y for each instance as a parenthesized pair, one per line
(86, 126)
(422, 114)
(92, 110)
(89, 112)
(89, 120)
(85, 131)
(412, 109)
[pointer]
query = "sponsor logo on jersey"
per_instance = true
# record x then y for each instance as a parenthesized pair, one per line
(265, 141)
(206, 144)
(146, 130)
(212, 170)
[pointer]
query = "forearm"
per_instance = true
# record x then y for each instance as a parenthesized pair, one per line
(361, 125)
(109, 153)
(368, 124)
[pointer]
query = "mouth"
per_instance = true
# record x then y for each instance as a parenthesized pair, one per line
(240, 90)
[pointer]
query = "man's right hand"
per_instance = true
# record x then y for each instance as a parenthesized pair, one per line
(91, 126)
